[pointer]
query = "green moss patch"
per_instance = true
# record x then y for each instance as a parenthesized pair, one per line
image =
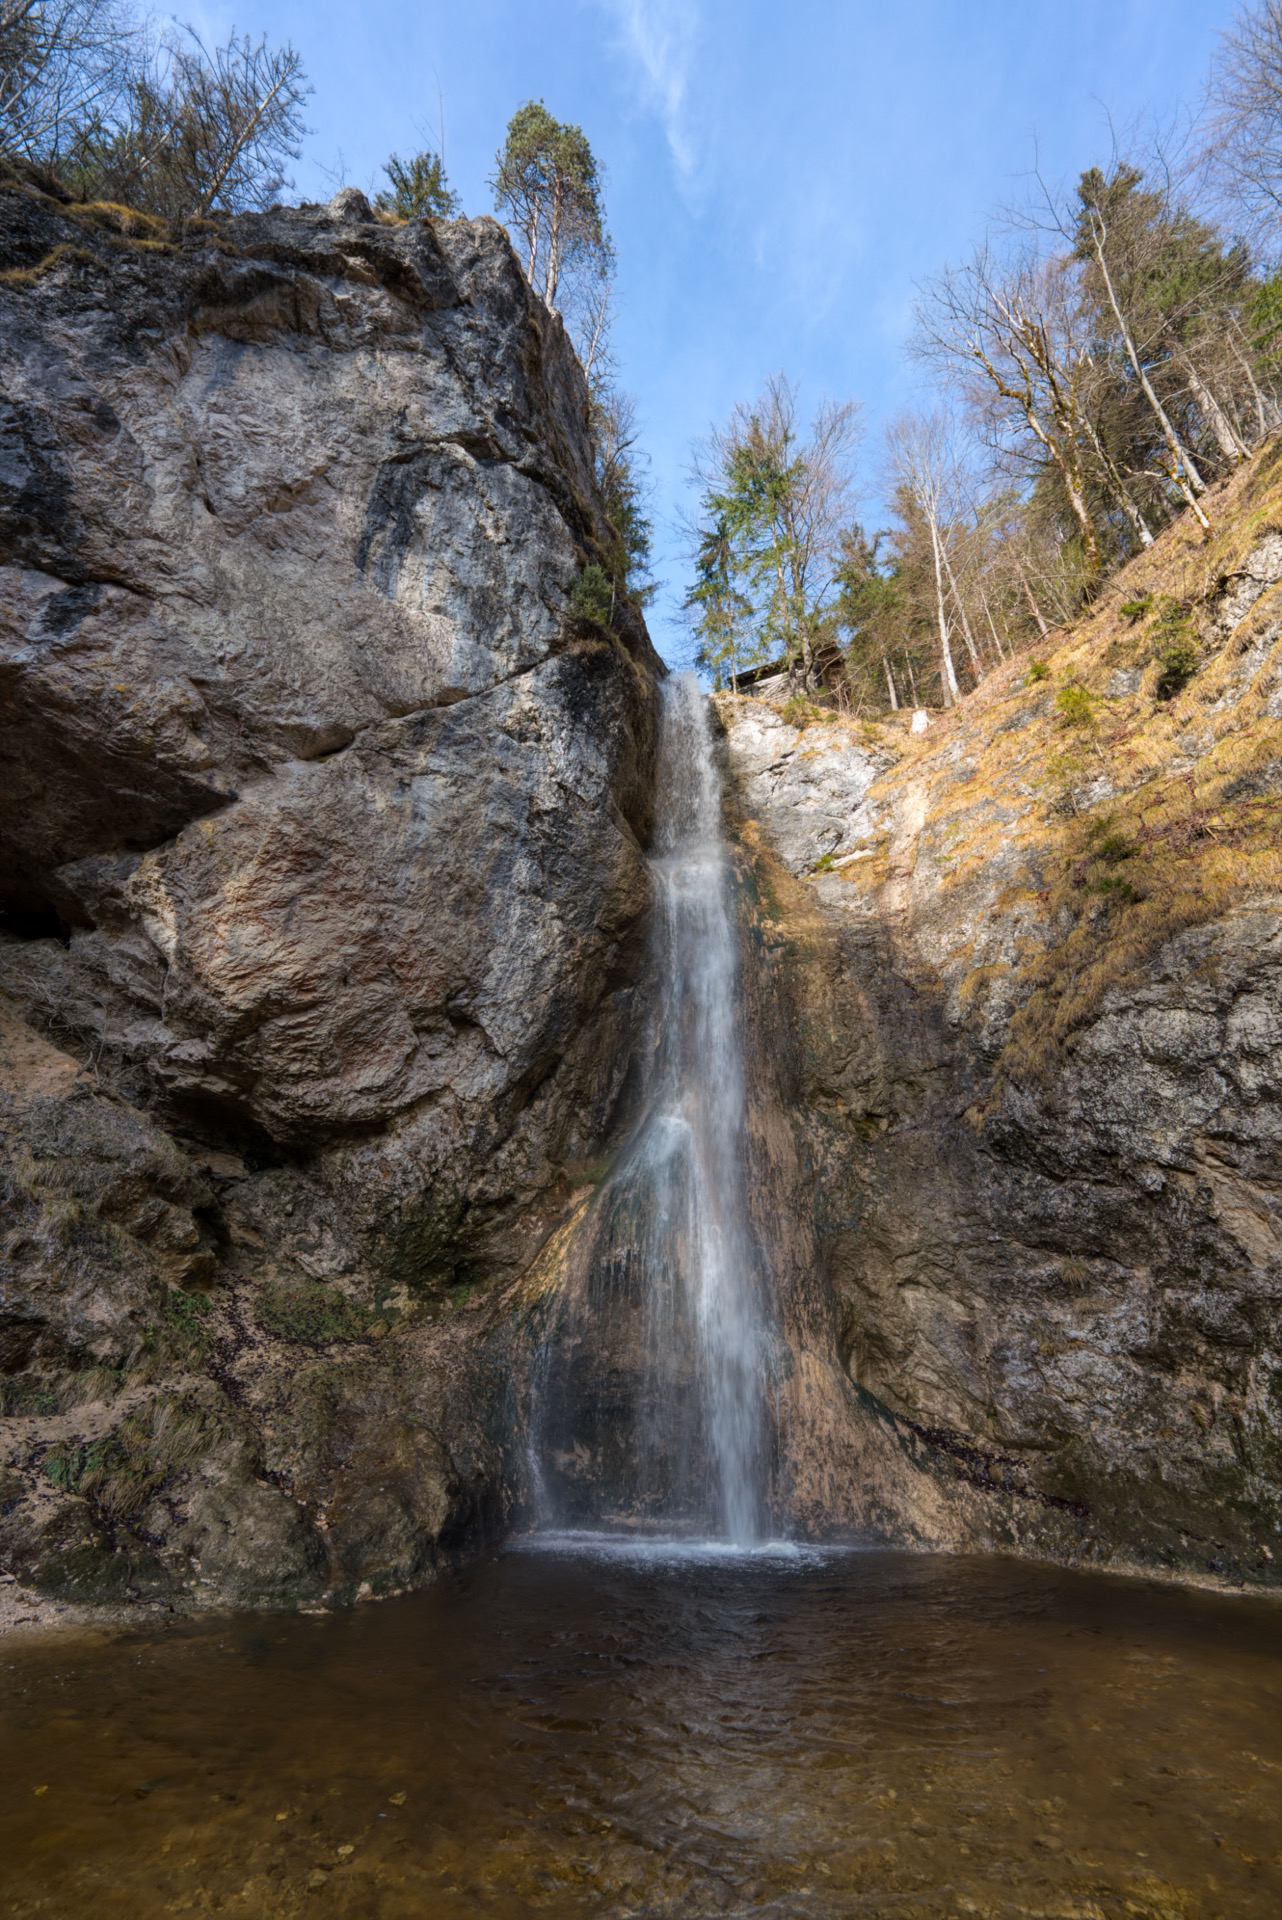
(801, 712)
(187, 1318)
(311, 1313)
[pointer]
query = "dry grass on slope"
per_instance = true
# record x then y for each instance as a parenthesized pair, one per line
(1139, 775)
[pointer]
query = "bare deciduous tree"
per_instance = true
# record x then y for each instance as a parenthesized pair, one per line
(589, 315)
(215, 129)
(65, 66)
(1245, 134)
(922, 462)
(1013, 325)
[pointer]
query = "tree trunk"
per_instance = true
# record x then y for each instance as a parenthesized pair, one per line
(1139, 526)
(948, 673)
(1082, 515)
(1036, 611)
(594, 341)
(1179, 452)
(1190, 498)
(555, 217)
(1071, 477)
(1223, 431)
(791, 640)
(797, 610)
(236, 144)
(1055, 443)
(807, 660)
(1261, 421)
(988, 615)
(890, 682)
(960, 604)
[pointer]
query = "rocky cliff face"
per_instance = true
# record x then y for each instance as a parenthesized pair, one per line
(322, 883)
(324, 930)
(1019, 982)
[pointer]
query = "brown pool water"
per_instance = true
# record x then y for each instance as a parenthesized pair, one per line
(595, 1733)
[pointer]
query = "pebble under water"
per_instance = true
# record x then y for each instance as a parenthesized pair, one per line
(571, 1728)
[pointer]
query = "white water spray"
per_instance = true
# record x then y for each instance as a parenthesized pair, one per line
(655, 1385)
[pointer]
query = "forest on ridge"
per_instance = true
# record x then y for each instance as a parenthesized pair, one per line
(1109, 350)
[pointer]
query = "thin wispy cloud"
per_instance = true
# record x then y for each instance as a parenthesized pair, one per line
(659, 38)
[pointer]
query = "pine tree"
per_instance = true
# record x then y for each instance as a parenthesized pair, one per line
(547, 186)
(1164, 291)
(722, 612)
(778, 501)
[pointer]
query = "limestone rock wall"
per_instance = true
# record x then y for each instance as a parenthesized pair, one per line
(322, 882)
(1027, 1094)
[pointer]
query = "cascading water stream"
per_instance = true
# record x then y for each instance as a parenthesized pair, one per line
(652, 1398)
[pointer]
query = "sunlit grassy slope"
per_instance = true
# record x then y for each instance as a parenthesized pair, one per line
(1115, 784)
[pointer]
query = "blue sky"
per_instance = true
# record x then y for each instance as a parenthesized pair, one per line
(778, 177)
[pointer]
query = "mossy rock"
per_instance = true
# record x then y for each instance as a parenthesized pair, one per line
(312, 1314)
(799, 711)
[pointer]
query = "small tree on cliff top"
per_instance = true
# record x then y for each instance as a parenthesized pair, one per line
(196, 130)
(418, 187)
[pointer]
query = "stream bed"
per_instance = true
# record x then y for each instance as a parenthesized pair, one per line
(573, 1727)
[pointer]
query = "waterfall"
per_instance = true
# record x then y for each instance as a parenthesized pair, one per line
(653, 1390)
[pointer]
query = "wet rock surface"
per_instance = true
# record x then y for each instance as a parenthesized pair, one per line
(322, 882)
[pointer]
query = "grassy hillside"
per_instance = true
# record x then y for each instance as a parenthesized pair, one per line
(1117, 783)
